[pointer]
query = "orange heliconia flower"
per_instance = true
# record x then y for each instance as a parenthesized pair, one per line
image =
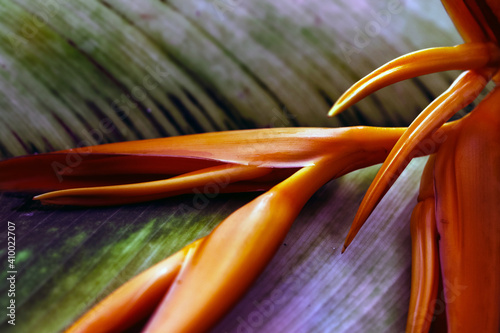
(455, 224)
(457, 217)
(290, 163)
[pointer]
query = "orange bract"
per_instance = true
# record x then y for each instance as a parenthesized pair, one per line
(455, 225)
(232, 256)
(460, 188)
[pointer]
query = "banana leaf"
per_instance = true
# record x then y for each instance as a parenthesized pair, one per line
(78, 73)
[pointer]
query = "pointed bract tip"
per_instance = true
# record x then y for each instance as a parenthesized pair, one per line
(47, 195)
(335, 110)
(331, 113)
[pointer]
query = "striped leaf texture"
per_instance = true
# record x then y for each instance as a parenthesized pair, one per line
(77, 73)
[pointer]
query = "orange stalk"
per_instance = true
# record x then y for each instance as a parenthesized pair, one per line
(467, 25)
(467, 183)
(425, 257)
(210, 283)
(222, 267)
(248, 239)
(245, 160)
(130, 193)
(157, 159)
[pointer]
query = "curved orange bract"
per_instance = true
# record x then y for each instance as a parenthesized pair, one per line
(455, 225)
